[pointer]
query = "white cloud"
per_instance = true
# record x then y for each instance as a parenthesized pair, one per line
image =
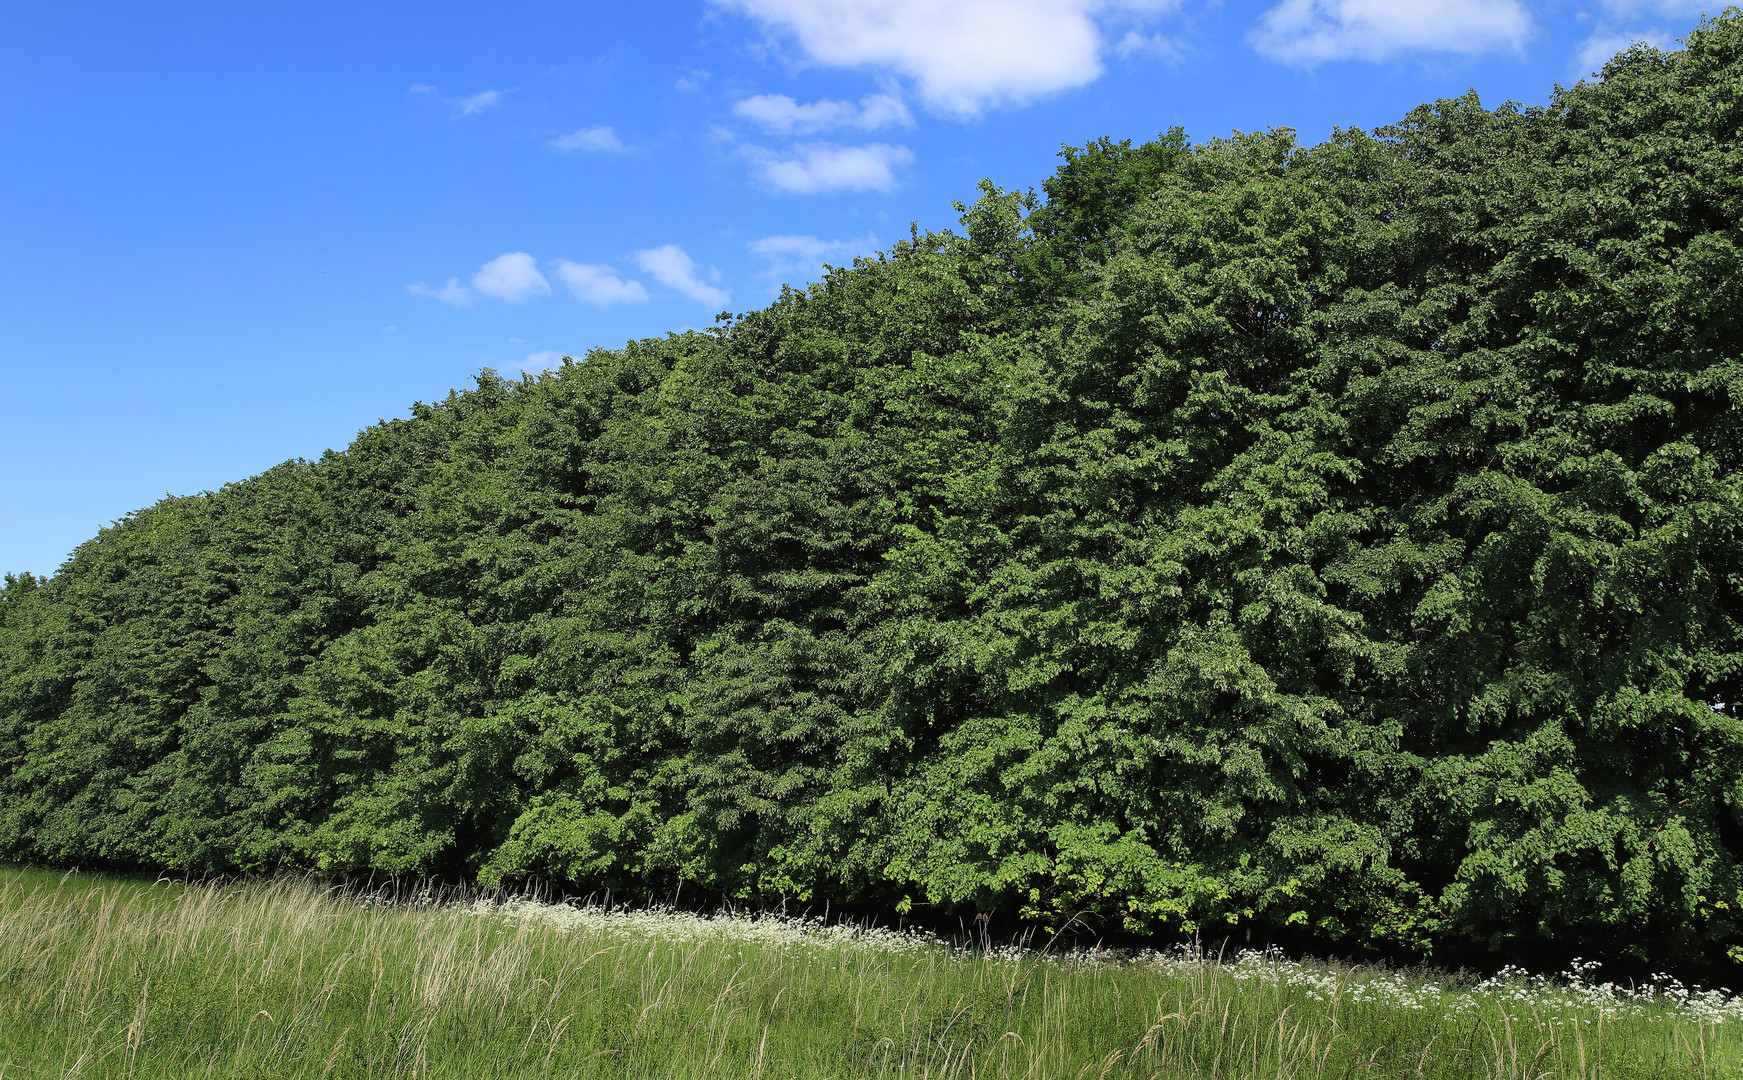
(542, 360)
(1310, 32)
(599, 284)
(420, 88)
(779, 114)
(814, 167)
(963, 55)
(793, 258)
(480, 102)
(452, 293)
(676, 270)
(602, 139)
(514, 276)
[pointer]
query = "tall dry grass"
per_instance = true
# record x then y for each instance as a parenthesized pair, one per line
(101, 977)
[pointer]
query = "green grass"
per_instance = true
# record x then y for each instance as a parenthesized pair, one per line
(103, 977)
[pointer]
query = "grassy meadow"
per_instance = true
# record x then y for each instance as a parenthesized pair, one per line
(107, 977)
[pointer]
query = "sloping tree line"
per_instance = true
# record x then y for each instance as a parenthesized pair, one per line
(1242, 534)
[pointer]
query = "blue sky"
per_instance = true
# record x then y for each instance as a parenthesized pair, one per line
(237, 233)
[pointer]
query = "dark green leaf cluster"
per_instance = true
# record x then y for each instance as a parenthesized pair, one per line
(1344, 538)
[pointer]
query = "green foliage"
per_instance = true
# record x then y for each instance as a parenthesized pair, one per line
(1342, 538)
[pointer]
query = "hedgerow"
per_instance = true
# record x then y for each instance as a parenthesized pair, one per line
(1340, 540)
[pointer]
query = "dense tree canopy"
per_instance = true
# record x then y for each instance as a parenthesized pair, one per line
(1341, 537)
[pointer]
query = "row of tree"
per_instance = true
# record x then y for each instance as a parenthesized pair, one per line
(1343, 538)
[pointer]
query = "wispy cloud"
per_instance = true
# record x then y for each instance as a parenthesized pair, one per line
(598, 284)
(1596, 50)
(601, 139)
(797, 259)
(1619, 26)
(510, 276)
(963, 55)
(815, 167)
(1668, 9)
(452, 293)
(542, 360)
(482, 101)
(1156, 46)
(420, 88)
(676, 270)
(779, 114)
(1306, 33)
